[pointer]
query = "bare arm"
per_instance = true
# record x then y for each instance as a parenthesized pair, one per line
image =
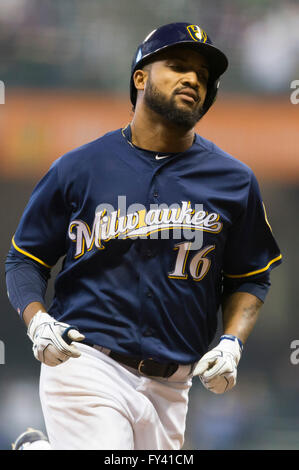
(218, 368)
(31, 310)
(240, 313)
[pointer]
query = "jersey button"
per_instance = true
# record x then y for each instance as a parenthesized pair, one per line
(149, 294)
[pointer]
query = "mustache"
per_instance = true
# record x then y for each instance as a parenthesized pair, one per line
(189, 91)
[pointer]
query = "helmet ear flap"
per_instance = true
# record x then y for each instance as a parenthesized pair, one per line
(212, 90)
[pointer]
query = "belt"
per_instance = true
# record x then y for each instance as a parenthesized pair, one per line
(148, 367)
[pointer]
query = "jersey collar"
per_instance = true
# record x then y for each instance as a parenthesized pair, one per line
(127, 134)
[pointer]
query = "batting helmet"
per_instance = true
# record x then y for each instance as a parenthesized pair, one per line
(181, 35)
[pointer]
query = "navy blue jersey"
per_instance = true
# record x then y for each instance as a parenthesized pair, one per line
(147, 241)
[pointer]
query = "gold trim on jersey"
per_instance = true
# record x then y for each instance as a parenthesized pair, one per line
(266, 217)
(252, 273)
(124, 135)
(29, 254)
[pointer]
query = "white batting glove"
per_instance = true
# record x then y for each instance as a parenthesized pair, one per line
(217, 369)
(48, 345)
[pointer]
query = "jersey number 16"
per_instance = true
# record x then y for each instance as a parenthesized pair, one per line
(199, 265)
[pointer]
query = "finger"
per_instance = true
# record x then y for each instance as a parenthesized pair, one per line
(53, 362)
(72, 334)
(232, 380)
(222, 384)
(220, 368)
(72, 351)
(217, 385)
(206, 363)
(213, 370)
(65, 333)
(225, 385)
(201, 367)
(75, 335)
(51, 356)
(68, 349)
(214, 381)
(212, 386)
(220, 389)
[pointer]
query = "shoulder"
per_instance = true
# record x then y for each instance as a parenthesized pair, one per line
(80, 164)
(76, 158)
(222, 159)
(91, 148)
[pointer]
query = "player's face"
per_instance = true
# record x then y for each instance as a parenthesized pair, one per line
(176, 86)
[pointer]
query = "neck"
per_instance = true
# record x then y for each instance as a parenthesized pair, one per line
(151, 132)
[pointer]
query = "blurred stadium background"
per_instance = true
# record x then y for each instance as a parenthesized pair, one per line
(66, 67)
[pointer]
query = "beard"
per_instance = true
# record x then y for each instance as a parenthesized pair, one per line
(167, 108)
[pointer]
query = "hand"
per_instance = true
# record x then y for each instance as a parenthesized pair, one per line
(49, 346)
(217, 369)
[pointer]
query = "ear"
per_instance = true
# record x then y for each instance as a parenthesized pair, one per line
(140, 78)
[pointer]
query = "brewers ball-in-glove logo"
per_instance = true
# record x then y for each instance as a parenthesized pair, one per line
(197, 33)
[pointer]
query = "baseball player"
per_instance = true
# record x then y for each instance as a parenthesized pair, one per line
(158, 228)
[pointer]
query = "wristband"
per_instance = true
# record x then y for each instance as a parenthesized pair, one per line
(233, 338)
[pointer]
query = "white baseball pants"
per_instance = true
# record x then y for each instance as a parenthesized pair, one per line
(93, 402)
